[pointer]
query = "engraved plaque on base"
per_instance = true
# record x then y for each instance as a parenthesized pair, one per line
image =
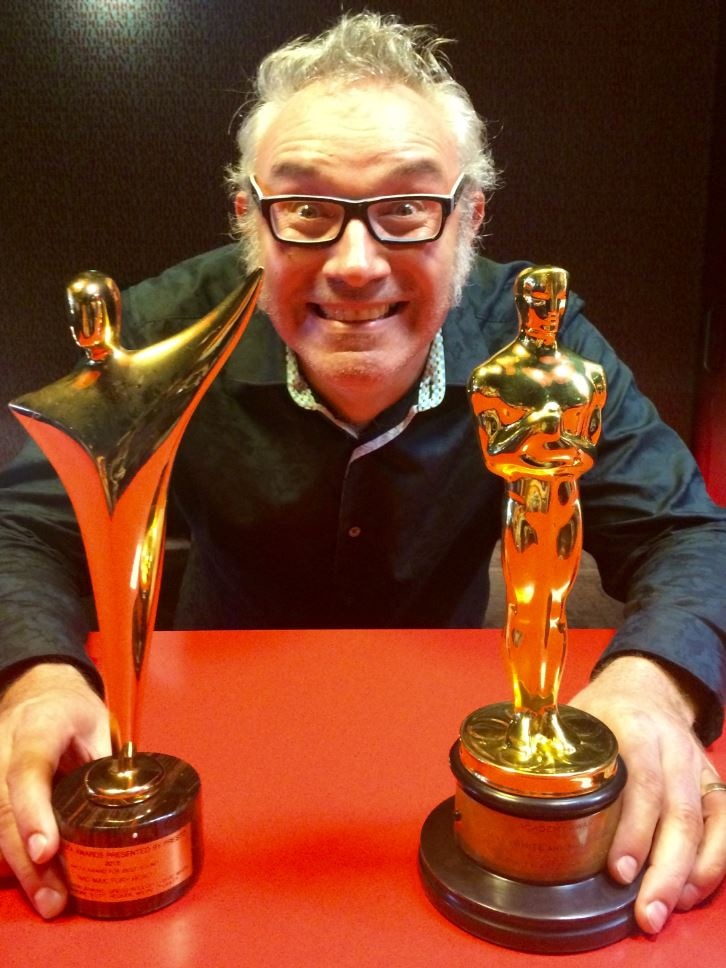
(130, 823)
(518, 855)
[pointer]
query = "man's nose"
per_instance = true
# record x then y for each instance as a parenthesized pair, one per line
(357, 258)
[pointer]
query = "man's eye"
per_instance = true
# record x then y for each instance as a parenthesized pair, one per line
(306, 210)
(405, 208)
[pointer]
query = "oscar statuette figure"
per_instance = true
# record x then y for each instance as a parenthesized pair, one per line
(518, 856)
(130, 824)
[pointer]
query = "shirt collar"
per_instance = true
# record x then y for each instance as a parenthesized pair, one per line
(431, 388)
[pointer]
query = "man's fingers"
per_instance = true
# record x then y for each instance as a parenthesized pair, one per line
(642, 804)
(47, 715)
(670, 866)
(709, 868)
(28, 832)
(42, 882)
(666, 822)
(29, 780)
(673, 790)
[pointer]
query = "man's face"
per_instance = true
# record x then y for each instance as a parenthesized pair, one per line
(360, 315)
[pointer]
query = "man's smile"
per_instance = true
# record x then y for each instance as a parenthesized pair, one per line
(357, 314)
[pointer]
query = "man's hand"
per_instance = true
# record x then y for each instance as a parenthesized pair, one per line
(665, 813)
(49, 718)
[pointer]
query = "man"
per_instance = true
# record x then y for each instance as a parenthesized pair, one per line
(331, 476)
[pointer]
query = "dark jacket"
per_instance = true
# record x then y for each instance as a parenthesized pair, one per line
(294, 523)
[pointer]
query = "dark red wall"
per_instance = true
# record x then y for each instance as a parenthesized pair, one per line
(114, 126)
(709, 439)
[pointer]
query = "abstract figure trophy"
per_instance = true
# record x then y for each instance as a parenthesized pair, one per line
(130, 823)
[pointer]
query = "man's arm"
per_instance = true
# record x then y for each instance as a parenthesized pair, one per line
(666, 820)
(661, 547)
(50, 718)
(50, 710)
(44, 583)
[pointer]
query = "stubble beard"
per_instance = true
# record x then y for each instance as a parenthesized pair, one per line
(356, 368)
(464, 254)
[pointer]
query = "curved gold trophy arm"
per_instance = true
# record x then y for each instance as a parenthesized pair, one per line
(111, 430)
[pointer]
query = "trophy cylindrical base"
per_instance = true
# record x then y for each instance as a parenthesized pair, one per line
(541, 840)
(542, 918)
(126, 860)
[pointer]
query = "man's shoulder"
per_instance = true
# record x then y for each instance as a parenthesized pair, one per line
(485, 318)
(493, 277)
(181, 294)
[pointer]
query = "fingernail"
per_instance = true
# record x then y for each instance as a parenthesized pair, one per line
(627, 868)
(36, 846)
(656, 913)
(48, 902)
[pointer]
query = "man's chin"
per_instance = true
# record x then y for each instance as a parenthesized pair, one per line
(350, 368)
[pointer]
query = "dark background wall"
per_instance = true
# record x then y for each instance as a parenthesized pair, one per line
(116, 121)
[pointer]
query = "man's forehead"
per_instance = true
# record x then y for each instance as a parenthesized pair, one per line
(390, 128)
(411, 167)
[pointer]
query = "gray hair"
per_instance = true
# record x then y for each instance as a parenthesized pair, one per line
(360, 47)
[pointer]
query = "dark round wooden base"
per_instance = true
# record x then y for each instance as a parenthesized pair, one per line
(129, 860)
(542, 918)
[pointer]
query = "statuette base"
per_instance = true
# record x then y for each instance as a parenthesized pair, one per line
(128, 859)
(543, 918)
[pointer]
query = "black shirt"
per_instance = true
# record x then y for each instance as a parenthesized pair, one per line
(295, 523)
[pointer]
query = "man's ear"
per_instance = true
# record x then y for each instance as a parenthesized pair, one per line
(241, 204)
(478, 208)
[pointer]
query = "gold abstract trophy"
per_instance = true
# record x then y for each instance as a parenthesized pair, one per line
(130, 824)
(518, 856)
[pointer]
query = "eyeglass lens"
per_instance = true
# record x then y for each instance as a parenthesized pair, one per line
(396, 219)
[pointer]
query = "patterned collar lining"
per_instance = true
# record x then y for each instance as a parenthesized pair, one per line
(431, 389)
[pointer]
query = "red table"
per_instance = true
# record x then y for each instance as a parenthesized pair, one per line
(321, 754)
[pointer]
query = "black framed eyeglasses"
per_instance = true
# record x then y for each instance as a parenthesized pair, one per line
(391, 219)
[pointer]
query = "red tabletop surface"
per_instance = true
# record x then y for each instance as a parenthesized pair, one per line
(321, 754)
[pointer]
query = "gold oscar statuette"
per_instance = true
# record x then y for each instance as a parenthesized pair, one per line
(518, 855)
(130, 824)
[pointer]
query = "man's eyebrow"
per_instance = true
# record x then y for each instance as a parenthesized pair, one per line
(421, 166)
(298, 169)
(293, 169)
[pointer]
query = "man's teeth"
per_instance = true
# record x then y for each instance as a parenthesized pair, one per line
(349, 314)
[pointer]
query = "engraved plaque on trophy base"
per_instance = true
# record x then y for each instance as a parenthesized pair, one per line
(135, 855)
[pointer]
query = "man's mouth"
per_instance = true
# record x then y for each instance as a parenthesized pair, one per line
(358, 314)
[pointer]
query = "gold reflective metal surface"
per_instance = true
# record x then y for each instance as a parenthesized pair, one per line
(111, 429)
(130, 777)
(519, 855)
(488, 753)
(538, 409)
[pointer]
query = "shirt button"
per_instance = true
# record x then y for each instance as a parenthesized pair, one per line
(354, 531)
